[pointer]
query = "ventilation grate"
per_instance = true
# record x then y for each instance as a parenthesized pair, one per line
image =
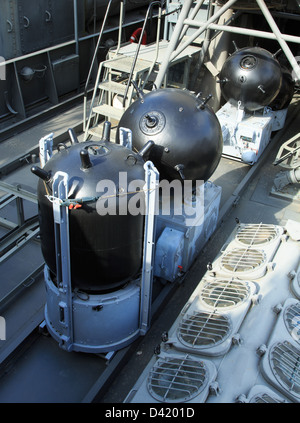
(175, 379)
(224, 294)
(292, 320)
(285, 363)
(242, 260)
(257, 234)
(201, 330)
(261, 394)
(265, 399)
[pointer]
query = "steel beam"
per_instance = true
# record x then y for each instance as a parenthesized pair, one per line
(279, 37)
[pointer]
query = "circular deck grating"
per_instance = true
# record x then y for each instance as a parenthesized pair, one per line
(204, 330)
(292, 320)
(177, 379)
(265, 399)
(257, 234)
(224, 293)
(243, 260)
(285, 364)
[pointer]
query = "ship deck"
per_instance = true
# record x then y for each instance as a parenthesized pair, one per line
(33, 367)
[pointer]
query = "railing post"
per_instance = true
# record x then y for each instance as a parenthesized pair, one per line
(92, 64)
(151, 193)
(62, 250)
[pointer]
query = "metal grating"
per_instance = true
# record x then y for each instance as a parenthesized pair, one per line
(292, 320)
(203, 330)
(285, 364)
(224, 293)
(257, 234)
(242, 260)
(175, 379)
(265, 399)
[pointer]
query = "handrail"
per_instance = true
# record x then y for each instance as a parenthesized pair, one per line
(121, 19)
(85, 127)
(150, 7)
(97, 46)
(157, 45)
(93, 61)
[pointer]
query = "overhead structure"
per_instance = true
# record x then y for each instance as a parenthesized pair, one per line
(184, 21)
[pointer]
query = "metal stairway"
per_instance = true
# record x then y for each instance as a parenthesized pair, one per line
(112, 88)
(118, 82)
